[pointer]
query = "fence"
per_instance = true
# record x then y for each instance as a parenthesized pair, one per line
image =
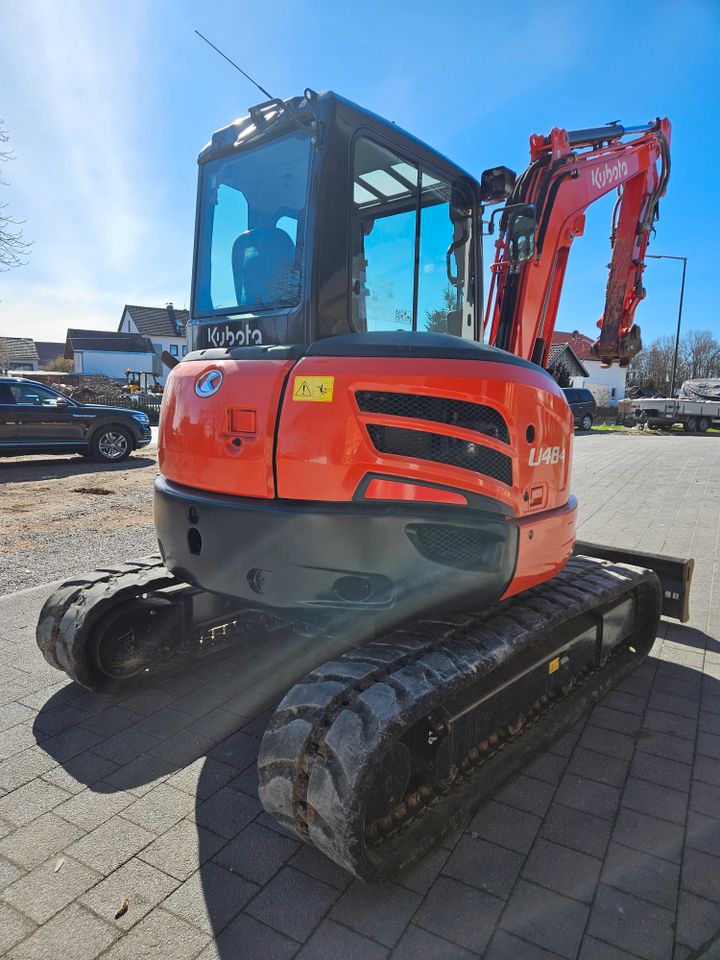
(150, 406)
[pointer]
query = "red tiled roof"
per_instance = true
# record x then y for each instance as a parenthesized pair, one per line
(578, 341)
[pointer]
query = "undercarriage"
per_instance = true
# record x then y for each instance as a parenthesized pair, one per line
(377, 754)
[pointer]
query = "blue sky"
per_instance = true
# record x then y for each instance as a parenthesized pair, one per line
(108, 105)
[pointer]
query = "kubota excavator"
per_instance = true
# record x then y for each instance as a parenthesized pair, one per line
(341, 452)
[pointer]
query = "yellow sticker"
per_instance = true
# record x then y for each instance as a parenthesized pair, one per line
(313, 389)
(554, 665)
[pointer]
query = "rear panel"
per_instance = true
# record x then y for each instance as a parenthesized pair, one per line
(217, 426)
(408, 478)
(451, 423)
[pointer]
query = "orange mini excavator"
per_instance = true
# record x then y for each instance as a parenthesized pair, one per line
(342, 454)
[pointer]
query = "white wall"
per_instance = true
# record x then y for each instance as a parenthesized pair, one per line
(602, 381)
(128, 325)
(107, 363)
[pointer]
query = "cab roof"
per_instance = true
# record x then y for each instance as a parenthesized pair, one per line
(313, 111)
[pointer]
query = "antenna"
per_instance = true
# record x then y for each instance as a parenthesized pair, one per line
(232, 62)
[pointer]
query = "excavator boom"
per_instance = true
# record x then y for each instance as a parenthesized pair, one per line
(568, 172)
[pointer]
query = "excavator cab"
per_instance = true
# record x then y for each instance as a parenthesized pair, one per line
(317, 218)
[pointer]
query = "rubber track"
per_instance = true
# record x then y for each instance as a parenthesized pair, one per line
(70, 611)
(323, 743)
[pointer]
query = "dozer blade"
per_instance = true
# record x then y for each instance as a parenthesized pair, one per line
(674, 573)
(376, 756)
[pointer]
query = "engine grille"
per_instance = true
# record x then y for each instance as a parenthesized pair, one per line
(458, 413)
(441, 449)
(455, 546)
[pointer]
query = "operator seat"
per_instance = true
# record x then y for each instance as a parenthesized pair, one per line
(264, 271)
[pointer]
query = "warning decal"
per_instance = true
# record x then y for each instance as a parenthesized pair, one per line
(313, 389)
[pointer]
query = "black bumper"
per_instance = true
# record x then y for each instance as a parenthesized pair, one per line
(143, 438)
(299, 555)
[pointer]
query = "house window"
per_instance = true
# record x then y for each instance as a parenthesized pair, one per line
(184, 349)
(173, 349)
(613, 393)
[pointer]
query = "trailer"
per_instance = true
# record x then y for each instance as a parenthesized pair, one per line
(660, 413)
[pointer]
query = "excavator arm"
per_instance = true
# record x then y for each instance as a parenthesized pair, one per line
(568, 172)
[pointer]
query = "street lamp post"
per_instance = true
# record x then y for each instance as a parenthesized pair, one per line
(666, 256)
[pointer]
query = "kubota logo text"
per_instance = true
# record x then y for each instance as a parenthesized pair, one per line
(225, 336)
(611, 173)
(208, 383)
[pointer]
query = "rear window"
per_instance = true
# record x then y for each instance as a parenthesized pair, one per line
(571, 395)
(584, 395)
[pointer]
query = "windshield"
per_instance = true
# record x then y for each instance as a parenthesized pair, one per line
(251, 228)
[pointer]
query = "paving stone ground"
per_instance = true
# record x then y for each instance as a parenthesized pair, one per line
(130, 825)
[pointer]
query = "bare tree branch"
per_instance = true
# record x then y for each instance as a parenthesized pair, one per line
(14, 248)
(698, 358)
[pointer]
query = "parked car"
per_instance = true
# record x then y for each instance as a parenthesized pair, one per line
(583, 406)
(37, 419)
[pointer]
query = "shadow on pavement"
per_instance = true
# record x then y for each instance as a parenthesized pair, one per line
(22, 469)
(199, 732)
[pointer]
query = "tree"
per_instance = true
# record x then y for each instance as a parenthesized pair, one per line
(61, 365)
(14, 248)
(700, 355)
(436, 321)
(561, 374)
(698, 358)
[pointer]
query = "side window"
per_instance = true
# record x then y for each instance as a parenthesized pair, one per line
(383, 239)
(290, 226)
(29, 395)
(571, 396)
(229, 221)
(411, 247)
(444, 268)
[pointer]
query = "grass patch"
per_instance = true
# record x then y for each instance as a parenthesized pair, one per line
(622, 428)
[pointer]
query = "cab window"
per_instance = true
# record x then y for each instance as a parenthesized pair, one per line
(411, 246)
(250, 235)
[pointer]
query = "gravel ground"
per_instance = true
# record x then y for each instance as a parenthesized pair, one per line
(61, 516)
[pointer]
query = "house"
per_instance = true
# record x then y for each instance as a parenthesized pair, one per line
(165, 326)
(607, 384)
(48, 351)
(565, 365)
(109, 354)
(18, 353)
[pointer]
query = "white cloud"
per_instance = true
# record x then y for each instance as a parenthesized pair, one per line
(75, 112)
